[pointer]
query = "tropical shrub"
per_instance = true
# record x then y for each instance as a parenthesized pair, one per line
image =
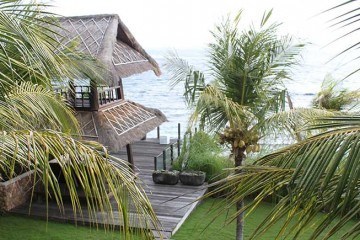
(201, 152)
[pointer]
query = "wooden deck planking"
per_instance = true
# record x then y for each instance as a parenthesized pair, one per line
(171, 203)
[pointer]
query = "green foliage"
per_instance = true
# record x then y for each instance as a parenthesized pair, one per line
(36, 123)
(332, 97)
(320, 173)
(202, 153)
(244, 83)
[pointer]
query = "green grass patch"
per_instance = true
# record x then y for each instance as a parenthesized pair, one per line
(14, 227)
(201, 224)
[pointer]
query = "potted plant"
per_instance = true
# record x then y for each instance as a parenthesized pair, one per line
(201, 160)
(166, 177)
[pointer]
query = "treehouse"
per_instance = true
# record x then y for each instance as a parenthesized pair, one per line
(101, 108)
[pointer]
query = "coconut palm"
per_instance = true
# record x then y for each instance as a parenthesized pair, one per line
(247, 71)
(317, 174)
(320, 173)
(36, 124)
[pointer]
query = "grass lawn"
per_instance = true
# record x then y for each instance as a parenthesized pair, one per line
(201, 218)
(14, 227)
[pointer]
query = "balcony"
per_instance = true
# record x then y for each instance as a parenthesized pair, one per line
(84, 99)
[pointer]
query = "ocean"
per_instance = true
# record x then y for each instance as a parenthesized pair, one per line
(156, 92)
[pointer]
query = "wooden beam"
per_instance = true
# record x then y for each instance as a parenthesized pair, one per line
(72, 94)
(130, 156)
(94, 96)
(121, 90)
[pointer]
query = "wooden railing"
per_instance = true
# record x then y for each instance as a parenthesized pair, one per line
(165, 159)
(82, 98)
(109, 94)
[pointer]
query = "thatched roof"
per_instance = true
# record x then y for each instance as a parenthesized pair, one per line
(117, 125)
(106, 38)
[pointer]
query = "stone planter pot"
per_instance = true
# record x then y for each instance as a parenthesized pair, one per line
(16, 191)
(192, 178)
(166, 177)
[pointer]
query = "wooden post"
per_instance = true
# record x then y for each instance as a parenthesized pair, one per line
(178, 145)
(158, 132)
(172, 153)
(179, 134)
(120, 91)
(164, 159)
(155, 163)
(94, 96)
(130, 156)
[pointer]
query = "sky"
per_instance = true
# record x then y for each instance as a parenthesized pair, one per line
(185, 24)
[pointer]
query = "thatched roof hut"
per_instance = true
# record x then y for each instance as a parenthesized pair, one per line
(106, 38)
(119, 124)
(106, 116)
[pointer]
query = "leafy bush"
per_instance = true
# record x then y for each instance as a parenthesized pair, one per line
(202, 152)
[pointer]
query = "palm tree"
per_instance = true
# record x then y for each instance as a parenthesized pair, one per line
(247, 69)
(37, 125)
(320, 173)
(317, 174)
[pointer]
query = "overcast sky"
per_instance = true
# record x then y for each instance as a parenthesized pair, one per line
(186, 23)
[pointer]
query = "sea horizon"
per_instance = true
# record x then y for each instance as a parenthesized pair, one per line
(156, 92)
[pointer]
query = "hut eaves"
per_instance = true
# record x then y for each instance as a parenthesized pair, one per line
(106, 38)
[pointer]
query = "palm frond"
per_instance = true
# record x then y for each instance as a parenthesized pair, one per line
(218, 110)
(182, 72)
(31, 60)
(29, 106)
(294, 121)
(333, 97)
(89, 166)
(348, 20)
(320, 173)
(30, 52)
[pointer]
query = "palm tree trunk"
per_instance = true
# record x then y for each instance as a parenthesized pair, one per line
(239, 158)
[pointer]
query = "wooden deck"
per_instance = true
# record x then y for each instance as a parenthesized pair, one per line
(171, 203)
